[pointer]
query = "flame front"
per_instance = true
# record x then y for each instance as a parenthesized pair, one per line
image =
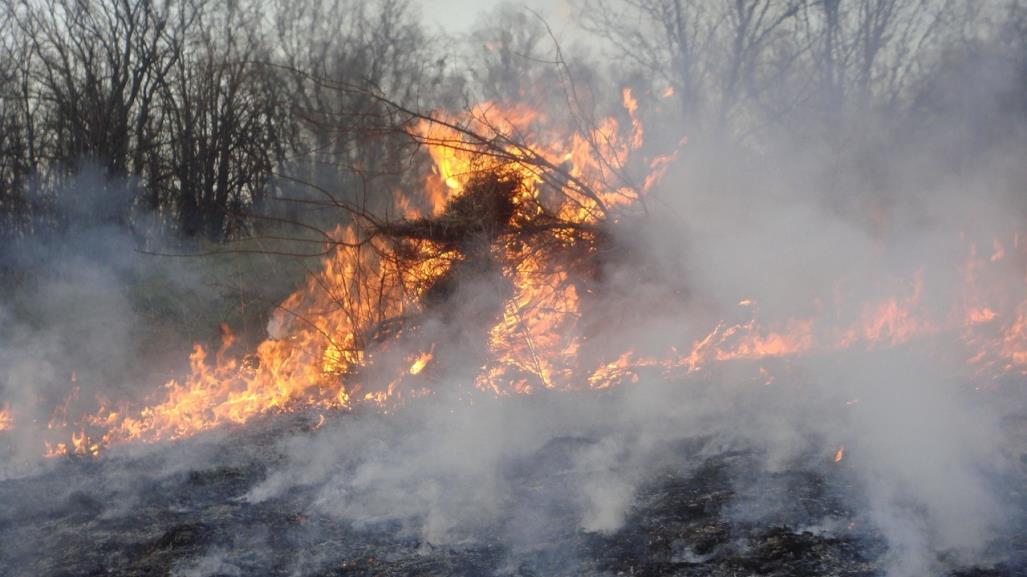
(354, 322)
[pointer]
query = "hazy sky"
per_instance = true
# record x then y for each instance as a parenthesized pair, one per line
(459, 15)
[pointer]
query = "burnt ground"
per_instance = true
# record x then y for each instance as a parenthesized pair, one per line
(141, 514)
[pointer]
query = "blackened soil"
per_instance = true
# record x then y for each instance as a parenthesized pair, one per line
(710, 514)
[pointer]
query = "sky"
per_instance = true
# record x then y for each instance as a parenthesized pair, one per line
(456, 16)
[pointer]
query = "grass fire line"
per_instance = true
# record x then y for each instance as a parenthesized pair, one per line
(529, 207)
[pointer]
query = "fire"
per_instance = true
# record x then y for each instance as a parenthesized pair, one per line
(890, 322)
(6, 419)
(1014, 343)
(839, 454)
(631, 105)
(535, 200)
(998, 250)
(80, 445)
(420, 362)
(982, 315)
(324, 334)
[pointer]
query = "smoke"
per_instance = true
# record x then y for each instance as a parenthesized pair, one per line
(69, 317)
(923, 450)
(924, 456)
(214, 563)
(922, 433)
(85, 314)
(927, 454)
(793, 232)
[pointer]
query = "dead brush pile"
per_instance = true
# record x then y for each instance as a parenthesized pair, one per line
(495, 233)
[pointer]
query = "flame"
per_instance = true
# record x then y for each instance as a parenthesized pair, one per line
(420, 362)
(360, 310)
(80, 445)
(631, 106)
(6, 418)
(839, 454)
(979, 315)
(998, 250)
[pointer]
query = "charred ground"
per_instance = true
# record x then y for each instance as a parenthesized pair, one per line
(705, 509)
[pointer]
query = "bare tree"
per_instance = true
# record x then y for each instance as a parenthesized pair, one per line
(227, 123)
(17, 137)
(99, 64)
(867, 52)
(377, 45)
(510, 56)
(94, 72)
(664, 38)
(710, 54)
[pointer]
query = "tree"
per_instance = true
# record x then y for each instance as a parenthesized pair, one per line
(228, 124)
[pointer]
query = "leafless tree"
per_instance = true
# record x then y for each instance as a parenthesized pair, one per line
(218, 113)
(17, 139)
(377, 45)
(867, 52)
(737, 58)
(227, 123)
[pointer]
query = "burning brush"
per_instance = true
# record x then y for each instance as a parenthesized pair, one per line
(528, 220)
(508, 239)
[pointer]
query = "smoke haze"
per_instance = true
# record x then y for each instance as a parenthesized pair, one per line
(802, 226)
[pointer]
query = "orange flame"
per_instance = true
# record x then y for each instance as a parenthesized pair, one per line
(420, 362)
(6, 419)
(342, 320)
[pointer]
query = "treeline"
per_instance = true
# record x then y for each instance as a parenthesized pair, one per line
(187, 112)
(202, 120)
(832, 72)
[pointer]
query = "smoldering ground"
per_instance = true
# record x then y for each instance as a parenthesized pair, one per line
(709, 476)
